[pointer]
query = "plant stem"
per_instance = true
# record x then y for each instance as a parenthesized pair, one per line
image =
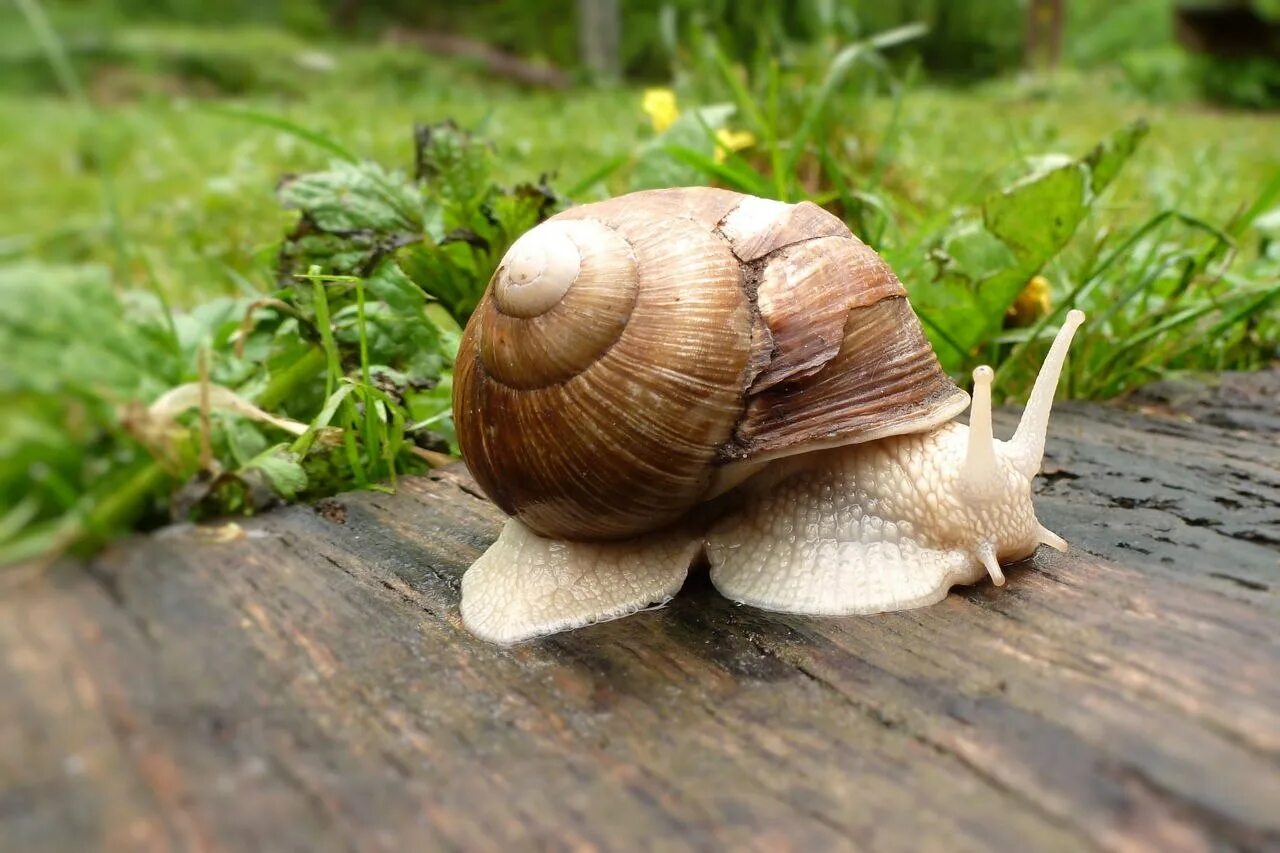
(284, 382)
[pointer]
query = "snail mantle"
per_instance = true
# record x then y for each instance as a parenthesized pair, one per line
(683, 372)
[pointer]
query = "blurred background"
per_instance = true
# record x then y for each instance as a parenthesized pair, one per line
(239, 239)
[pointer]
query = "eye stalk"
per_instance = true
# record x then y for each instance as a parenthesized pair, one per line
(980, 476)
(1027, 444)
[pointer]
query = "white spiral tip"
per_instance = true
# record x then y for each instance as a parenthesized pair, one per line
(537, 271)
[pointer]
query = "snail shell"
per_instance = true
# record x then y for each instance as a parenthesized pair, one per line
(633, 357)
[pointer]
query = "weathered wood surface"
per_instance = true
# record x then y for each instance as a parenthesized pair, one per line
(306, 685)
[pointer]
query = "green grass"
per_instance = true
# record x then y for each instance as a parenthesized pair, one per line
(196, 186)
(1208, 161)
(163, 189)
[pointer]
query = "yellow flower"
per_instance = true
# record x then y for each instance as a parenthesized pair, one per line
(1032, 303)
(660, 106)
(732, 140)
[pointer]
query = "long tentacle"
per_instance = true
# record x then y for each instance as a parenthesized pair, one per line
(1028, 441)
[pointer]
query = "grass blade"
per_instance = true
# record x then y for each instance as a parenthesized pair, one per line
(732, 171)
(56, 55)
(1265, 200)
(598, 175)
(283, 124)
(839, 68)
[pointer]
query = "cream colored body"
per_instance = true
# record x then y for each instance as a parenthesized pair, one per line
(886, 525)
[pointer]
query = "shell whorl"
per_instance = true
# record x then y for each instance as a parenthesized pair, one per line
(602, 416)
(561, 297)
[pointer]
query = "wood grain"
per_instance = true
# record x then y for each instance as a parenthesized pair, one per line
(301, 682)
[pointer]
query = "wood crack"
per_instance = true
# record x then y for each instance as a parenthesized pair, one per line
(110, 584)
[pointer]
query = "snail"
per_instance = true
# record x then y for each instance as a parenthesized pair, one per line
(686, 371)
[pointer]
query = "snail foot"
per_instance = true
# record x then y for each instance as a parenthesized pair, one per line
(526, 586)
(831, 576)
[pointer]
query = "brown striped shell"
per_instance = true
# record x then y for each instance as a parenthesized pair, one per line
(633, 357)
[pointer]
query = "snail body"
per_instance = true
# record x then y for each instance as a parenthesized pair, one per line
(634, 359)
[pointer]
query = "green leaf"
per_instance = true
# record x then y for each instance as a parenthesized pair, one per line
(302, 444)
(733, 172)
(338, 254)
(64, 328)
(354, 197)
(1036, 216)
(694, 131)
(513, 212)
(448, 273)
(353, 214)
(390, 285)
(455, 165)
(977, 251)
(984, 259)
(281, 469)
(244, 439)
(1106, 160)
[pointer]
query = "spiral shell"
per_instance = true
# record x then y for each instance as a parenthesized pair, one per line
(628, 354)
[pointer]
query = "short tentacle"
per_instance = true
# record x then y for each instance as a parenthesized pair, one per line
(1053, 540)
(987, 554)
(981, 472)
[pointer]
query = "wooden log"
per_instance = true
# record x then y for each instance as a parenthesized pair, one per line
(301, 681)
